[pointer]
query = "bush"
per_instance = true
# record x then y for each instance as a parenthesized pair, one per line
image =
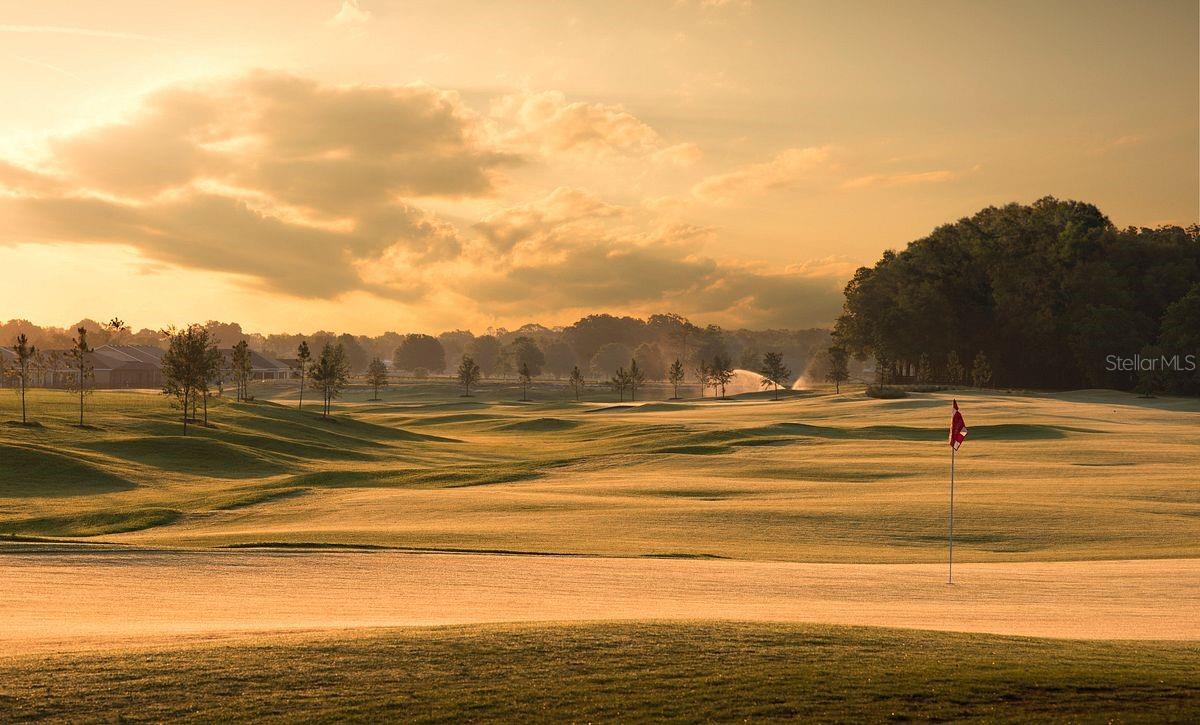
(420, 373)
(886, 393)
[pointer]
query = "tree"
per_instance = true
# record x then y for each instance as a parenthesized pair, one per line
(468, 374)
(115, 331)
(721, 372)
(560, 359)
(577, 381)
(526, 376)
(839, 370)
(25, 353)
(527, 356)
(981, 371)
(303, 359)
(774, 372)
(635, 378)
(240, 367)
(420, 351)
(81, 365)
(377, 375)
(924, 370)
(1152, 375)
(190, 362)
(609, 358)
(704, 376)
(954, 369)
(619, 382)
(355, 355)
(485, 350)
(675, 376)
(330, 373)
(650, 360)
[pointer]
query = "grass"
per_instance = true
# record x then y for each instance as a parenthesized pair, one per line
(813, 477)
(607, 672)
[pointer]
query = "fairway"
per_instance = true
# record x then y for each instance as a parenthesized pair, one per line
(745, 548)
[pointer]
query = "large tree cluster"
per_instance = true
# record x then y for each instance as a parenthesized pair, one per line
(1049, 294)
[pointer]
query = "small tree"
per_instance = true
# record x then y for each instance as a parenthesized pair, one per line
(954, 369)
(1154, 377)
(981, 371)
(304, 359)
(526, 377)
(25, 354)
(330, 373)
(577, 381)
(468, 374)
(240, 364)
(636, 378)
(704, 375)
(189, 364)
(721, 372)
(839, 367)
(774, 372)
(924, 370)
(618, 382)
(115, 331)
(675, 376)
(377, 375)
(81, 367)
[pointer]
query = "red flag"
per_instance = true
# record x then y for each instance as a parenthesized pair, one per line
(958, 429)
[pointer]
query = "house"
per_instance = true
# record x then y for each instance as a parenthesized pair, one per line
(262, 367)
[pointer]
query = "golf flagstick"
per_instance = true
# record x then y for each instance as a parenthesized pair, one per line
(950, 580)
(958, 432)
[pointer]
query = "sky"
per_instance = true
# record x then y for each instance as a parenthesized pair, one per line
(420, 166)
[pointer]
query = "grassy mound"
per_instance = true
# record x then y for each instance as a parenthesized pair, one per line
(540, 425)
(37, 471)
(629, 672)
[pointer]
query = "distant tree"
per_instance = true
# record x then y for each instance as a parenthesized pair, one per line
(619, 382)
(526, 377)
(1154, 377)
(468, 374)
(721, 372)
(303, 359)
(635, 378)
(81, 366)
(25, 353)
(420, 351)
(115, 331)
(377, 375)
(485, 350)
(675, 376)
(711, 344)
(560, 359)
(355, 354)
(240, 366)
(609, 358)
(981, 371)
(704, 376)
(839, 370)
(188, 364)
(330, 374)
(1181, 336)
(924, 370)
(955, 372)
(577, 381)
(527, 356)
(774, 372)
(650, 360)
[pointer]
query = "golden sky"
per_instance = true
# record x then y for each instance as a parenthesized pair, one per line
(419, 166)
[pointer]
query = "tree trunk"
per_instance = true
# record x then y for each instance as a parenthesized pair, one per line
(185, 410)
(206, 407)
(22, 398)
(301, 406)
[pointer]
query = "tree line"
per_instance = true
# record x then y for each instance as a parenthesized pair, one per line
(1046, 295)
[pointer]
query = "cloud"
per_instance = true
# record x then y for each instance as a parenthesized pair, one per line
(572, 251)
(350, 15)
(292, 185)
(69, 30)
(315, 191)
(546, 122)
(787, 169)
(906, 179)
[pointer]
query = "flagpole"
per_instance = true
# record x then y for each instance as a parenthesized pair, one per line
(950, 580)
